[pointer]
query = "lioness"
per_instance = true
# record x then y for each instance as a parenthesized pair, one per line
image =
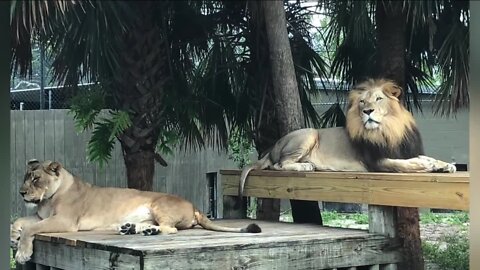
(380, 136)
(66, 204)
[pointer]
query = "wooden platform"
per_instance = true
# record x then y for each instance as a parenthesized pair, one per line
(279, 246)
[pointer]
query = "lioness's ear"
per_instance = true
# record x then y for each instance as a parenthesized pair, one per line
(392, 89)
(55, 167)
(32, 163)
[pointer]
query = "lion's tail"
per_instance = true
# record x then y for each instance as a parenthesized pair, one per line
(259, 165)
(207, 224)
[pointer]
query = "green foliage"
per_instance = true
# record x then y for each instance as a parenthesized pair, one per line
(252, 208)
(456, 218)
(333, 117)
(104, 133)
(454, 256)
(332, 217)
(239, 148)
(168, 139)
(13, 264)
(85, 107)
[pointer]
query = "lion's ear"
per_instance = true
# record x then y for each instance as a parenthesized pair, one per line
(55, 167)
(393, 89)
(32, 163)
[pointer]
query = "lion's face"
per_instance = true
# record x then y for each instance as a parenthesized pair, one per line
(41, 181)
(375, 113)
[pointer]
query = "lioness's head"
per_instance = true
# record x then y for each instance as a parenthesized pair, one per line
(41, 181)
(376, 114)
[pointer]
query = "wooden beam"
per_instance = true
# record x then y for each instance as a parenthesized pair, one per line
(430, 190)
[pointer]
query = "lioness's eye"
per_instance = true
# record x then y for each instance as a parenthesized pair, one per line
(35, 180)
(362, 101)
(379, 98)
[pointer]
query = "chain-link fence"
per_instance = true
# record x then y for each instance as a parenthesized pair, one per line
(50, 97)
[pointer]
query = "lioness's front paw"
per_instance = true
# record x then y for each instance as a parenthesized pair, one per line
(127, 228)
(151, 231)
(14, 238)
(24, 253)
(14, 243)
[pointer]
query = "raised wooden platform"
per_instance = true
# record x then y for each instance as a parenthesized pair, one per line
(279, 246)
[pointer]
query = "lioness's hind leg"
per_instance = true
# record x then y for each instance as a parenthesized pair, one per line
(167, 229)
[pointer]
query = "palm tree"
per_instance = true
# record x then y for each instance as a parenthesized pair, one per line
(160, 77)
(141, 55)
(405, 41)
(239, 65)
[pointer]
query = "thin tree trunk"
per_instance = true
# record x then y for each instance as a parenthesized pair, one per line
(287, 99)
(391, 37)
(267, 132)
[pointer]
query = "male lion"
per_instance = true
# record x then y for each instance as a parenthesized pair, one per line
(67, 204)
(380, 136)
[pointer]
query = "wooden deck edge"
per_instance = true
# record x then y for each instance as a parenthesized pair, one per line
(463, 177)
(446, 191)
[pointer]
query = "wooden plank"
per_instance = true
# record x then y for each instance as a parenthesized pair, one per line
(306, 254)
(39, 148)
(59, 135)
(390, 266)
(14, 179)
(422, 177)
(20, 159)
(69, 257)
(281, 245)
(49, 123)
(443, 194)
(30, 136)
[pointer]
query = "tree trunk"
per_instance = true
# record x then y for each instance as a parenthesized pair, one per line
(391, 55)
(139, 90)
(287, 99)
(266, 132)
(140, 167)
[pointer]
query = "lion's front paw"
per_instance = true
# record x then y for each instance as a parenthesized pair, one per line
(435, 165)
(449, 168)
(24, 253)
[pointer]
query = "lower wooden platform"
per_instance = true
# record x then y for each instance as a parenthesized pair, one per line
(279, 246)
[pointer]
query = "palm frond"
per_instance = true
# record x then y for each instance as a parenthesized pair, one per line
(28, 19)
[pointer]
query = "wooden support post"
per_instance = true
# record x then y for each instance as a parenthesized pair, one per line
(233, 208)
(383, 220)
(26, 266)
(389, 266)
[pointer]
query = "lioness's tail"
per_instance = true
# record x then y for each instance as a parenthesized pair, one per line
(259, 165)
(207, 224)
